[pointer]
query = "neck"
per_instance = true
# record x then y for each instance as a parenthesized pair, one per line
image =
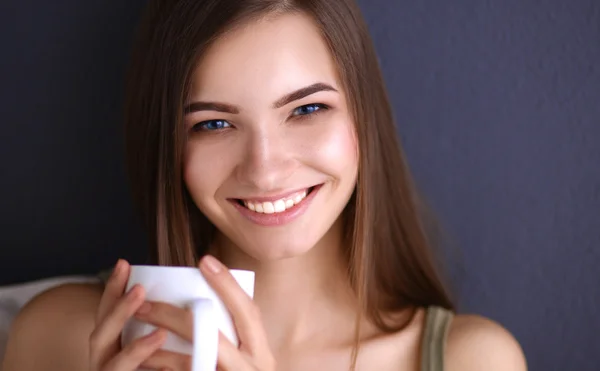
(302, 296)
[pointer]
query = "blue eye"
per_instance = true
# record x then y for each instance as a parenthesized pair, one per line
(211, 125)
(308, 109)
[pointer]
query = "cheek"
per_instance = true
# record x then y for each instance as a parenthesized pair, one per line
(334, 147)
(202, 172)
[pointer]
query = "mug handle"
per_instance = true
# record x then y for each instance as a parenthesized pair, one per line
(206, 335)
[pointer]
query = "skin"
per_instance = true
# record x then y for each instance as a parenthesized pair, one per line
(303, 312)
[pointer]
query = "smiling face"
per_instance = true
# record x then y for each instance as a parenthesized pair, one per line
(271, 158)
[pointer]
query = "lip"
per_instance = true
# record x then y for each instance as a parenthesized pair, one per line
(277, 219)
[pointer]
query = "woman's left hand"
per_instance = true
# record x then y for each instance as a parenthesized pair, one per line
(252, 355)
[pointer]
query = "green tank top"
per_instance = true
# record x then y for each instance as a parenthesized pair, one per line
(435, 332)
(433, 343)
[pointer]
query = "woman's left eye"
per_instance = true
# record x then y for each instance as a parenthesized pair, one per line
(211, 125)
(309, 109)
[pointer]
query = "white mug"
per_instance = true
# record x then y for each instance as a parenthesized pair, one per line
(185, 287)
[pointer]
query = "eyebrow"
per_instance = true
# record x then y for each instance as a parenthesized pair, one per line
(287, 99)
(303, 92)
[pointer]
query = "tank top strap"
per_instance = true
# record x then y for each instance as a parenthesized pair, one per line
(435, 332)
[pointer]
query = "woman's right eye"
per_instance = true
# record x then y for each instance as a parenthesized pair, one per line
(211, 125)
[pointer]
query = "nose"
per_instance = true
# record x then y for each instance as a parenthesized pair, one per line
(268, 162)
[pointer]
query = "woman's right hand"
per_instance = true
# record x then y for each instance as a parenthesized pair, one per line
(116, 307)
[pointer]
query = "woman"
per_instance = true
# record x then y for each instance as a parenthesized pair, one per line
(259, 136)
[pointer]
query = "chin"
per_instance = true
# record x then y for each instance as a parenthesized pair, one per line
(273, 250)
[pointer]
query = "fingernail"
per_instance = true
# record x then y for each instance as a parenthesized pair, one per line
(157, 336)
(211, 264)
(144, 308)
(133, 293)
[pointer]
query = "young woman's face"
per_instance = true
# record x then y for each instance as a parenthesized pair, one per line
(272, 156)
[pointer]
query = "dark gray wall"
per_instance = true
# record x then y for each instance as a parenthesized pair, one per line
(498, 104)
(64, 197)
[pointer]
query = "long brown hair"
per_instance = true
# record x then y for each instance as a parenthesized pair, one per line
(391, 265)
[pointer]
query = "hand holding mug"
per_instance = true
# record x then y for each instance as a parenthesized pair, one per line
(252, 354)
(114, 310)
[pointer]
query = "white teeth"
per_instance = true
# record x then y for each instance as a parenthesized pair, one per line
(275, 207)
(299, 198)
(279, 206)
(268, 208)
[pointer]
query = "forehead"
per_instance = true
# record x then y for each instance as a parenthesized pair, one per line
(274, 56)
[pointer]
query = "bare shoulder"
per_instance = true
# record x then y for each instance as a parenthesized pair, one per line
(52, 330)
(478, 343)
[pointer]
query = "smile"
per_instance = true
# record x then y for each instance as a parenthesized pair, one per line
(271, 211)
(277, 206)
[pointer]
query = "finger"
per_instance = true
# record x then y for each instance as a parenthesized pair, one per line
(163, 359)
(132, 356)
(180, 321)
(115, 286)
(107, 332)
(229, 358)
(245, 314)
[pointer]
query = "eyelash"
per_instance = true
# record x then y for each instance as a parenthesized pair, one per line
(201, 126)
